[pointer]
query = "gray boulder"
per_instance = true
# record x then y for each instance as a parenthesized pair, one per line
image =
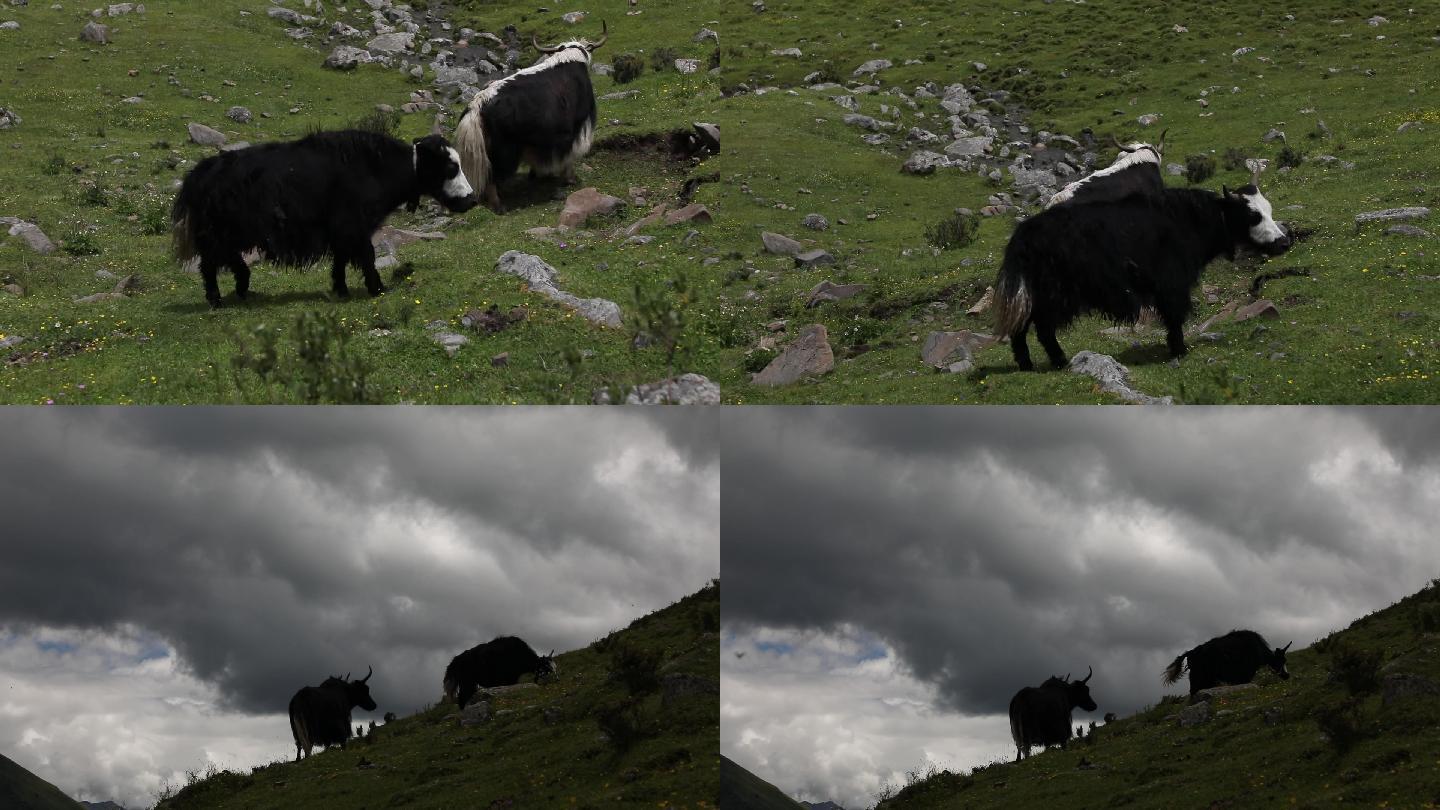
(205, 136)
(808, 354)
(346, 57)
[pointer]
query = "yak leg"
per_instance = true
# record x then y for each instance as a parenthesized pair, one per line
(1045, 332)
(242, 276)
(492, 198)
(1021, 349)
(1173, 310)
(365, 256)
(209, 272)
(337, 275)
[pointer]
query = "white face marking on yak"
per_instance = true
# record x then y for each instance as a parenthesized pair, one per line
(1266, 231)
(457, 187)
(438, 173)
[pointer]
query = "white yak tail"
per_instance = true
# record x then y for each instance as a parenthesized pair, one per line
(470, 143)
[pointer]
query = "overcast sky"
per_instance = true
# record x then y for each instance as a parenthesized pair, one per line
(894, 575)
(171, 577)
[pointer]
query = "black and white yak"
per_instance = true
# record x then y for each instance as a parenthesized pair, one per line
(1040, 715)
(1116, 257)
(1233, 658)
(300, 201)
(320, 715)
(495, 663)
(543, 115)
(1135, 171)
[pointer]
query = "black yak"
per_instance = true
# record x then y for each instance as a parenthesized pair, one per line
(1230, 659)
(320, 715)
(300, 201)
(1040, 715)
(1118, 257)
(1135, 171)
(495, 663)
(543, 115)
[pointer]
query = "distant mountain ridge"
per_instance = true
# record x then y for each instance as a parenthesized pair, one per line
(742, 790)
(23, 790)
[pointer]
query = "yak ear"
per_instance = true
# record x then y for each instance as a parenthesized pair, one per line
(1224, 190)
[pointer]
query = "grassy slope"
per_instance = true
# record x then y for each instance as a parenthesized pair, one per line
(1360, 329)
(163, 345)
(22, 790)
(1241, 759)
(517, 759)
(742, 790)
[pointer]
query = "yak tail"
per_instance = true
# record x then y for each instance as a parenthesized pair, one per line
(470, 143)
(1012, 302)
(182, 227)
(1175, 670)
(301, 734)
(451, 688)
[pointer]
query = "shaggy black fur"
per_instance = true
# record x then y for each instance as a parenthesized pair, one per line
(300, 201)
(320, 715)
(1040, 715)
(1229, 659)
(1115, 258)
(495, 663)
(537, 118)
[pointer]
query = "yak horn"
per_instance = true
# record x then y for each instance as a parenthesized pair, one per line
(543, 48)
(1255, 181)
(604, 35)
(436, 129)
(1091, 675)
(1160, 144)
(1122, 147)
(367, 675)
(346, 678)
(1286, 647)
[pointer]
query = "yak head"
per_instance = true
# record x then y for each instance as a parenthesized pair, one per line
(584, 45)
(357, 691)
(1249, 218)
(546, 667)
(1277, 662)
(438, 174)
(1079, 692)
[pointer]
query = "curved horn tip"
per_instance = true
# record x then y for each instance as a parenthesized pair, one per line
(346, 678)
(1089, 676)
(1286, 647)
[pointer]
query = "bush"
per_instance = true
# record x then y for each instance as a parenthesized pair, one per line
(155, 219)
(1342, 724)
(638, 669)
(93, 194)
(658, 316)
(1199, 168)
(54, 165)
(1358, 669)
(1235, 159)
(81, 243)
(622, 723)
(955, 231)
(1290, 158)
(1426, 618)
(627, 67)
(663, 59)
(318, 368)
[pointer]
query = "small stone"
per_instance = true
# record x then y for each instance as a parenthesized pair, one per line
(687, 389)
(694, 212)
(1407, 230)
(205, 136)
(1264, 308)
(95, 32)
(830, 291)
(780, 245)
(500, 360)
(586, 204)
(1389, 214)
(815, 222)
(239, 115)
(813, 258)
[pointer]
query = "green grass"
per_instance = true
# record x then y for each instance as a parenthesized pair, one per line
(1266, 750)
(542, 748)
(97, 176)
(1359, 328)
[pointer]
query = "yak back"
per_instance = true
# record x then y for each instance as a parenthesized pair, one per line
(295, 199)
(323, 711)
(500, 662)
(1040, 715)
(546, 109)
(1233, 658)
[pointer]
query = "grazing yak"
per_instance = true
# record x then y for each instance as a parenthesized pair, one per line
(1117, 257)
(320, 715)
(1230, 659)
(299, 201)
(495, 663)
(1040, 715)
(1135, 171)
(543, 115)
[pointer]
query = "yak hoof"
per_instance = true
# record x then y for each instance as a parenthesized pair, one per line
(378, 290)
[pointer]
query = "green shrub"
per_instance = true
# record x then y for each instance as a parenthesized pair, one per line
(658, 316)
(54, 165)
(638, 669)
(622, 723)
(663, 59)
(1342, 724)
(626, 68)
(1290, 157)
(1357, 669)
(955, 231)
(81, 243)
(1235, 159)
(316, 366)
(1199, 168)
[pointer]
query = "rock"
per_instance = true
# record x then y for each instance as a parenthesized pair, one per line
(677, 685)
(872, 67)
(687, 389)
(807, 354)
(500, 360)
(446, 76)
(969, 147)
(33, 237)
(205, 136)
(1273, 135)
(9, 118)
(239, 115)
(13, 289)
(694, 212)
(815, 222)
(95, 32)
(656, 214)
(830, 291)
(1113, 377)
(1220, 692)
(390, 238)
(792, 52)
(574, 17)
(390, 44)
(1407, 230)
(1264, 308)
(449, 341)
(946, 350)
(1391, 214)
(687, 66)
(984, 303)
(492, 320)
(1376, 21)
(475, 714)
(1194, 715)
(704, 34)
(924, 162)
(9, 25)
(346, 57)
(813, 258)
(709, 136)
(866, 122)
(541, 278)
(1148, 119)
(10, 341)
(1401, 686)
(586, 203)
(780, 245)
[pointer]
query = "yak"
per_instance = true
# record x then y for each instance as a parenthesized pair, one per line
(320, 715)
(1117, 257)
(543, 115)
(500, 662)
(1135, 171)
(1233, 658)
(1040, 715)
(299, 201)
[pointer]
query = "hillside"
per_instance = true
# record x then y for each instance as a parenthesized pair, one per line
(22, 790)
(1355, 96)
(1357, 723)
(102, 139)
(742, 790)
(542, 746)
